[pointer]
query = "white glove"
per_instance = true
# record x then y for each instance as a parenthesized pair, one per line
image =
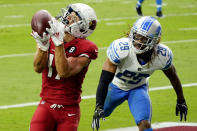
(43, 42)
(56, 31)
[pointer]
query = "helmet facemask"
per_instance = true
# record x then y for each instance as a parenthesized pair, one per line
(141, 42)
(78, 21)
(66, 13)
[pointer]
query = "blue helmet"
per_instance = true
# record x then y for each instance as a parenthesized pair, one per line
(145, 33)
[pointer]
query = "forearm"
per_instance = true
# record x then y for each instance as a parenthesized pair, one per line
(177, 87)
(106, 77)
(40, 60)
(61, 62)
(175, 81)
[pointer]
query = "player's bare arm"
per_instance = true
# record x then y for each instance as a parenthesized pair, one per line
(40, 60)
(67, 67)
(174, 79)
(41, 55)
(109, 66)
(40, 18)
(181, 106)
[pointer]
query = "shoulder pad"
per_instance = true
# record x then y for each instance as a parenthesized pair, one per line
(118, 50)
(88, 49)
(165, 54)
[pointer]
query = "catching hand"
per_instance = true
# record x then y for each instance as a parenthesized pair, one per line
(98, 113)
(182, 108)
(43, 42)
(56, 31)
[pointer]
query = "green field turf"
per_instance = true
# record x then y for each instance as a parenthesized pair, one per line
(20, 84)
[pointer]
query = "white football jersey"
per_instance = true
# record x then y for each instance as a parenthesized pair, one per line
(130, 73)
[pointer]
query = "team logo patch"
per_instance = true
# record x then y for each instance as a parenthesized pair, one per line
(72, 49)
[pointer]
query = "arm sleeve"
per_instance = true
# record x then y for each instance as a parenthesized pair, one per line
(105, 78)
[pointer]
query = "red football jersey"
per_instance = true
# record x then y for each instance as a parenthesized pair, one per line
(66, 91)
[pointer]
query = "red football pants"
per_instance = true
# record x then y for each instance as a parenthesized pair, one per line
(64, 118)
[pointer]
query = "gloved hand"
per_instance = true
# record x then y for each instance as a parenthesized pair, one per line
(43, 42)
(98, 113)
(56, 31)
(181, 107)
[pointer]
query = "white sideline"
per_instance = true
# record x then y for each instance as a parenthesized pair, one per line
(188, 29)
(29, 4)
(16, 55)
(47, 3)
(14, 16)
(93, 96)
(106, 19)
(102, 48)
(115, 23)
(16, 25)
(155, 126)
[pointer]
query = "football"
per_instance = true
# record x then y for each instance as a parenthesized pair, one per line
(39, 21)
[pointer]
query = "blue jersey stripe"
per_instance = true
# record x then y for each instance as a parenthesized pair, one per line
(114, 50)
(112, 54)
(169, 62)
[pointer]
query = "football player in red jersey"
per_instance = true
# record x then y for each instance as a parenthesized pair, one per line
(63, 57)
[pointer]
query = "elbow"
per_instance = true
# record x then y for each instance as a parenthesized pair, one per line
(37, 69)
(63, 75)
(62, 72)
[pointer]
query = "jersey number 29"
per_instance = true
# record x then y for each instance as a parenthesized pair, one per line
(131, 77)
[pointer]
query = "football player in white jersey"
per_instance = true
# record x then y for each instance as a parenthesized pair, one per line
(130, 62)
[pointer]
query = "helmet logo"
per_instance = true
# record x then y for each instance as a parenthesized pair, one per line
(92, 25)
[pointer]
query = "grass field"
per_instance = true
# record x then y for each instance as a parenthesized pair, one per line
(20, 84)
